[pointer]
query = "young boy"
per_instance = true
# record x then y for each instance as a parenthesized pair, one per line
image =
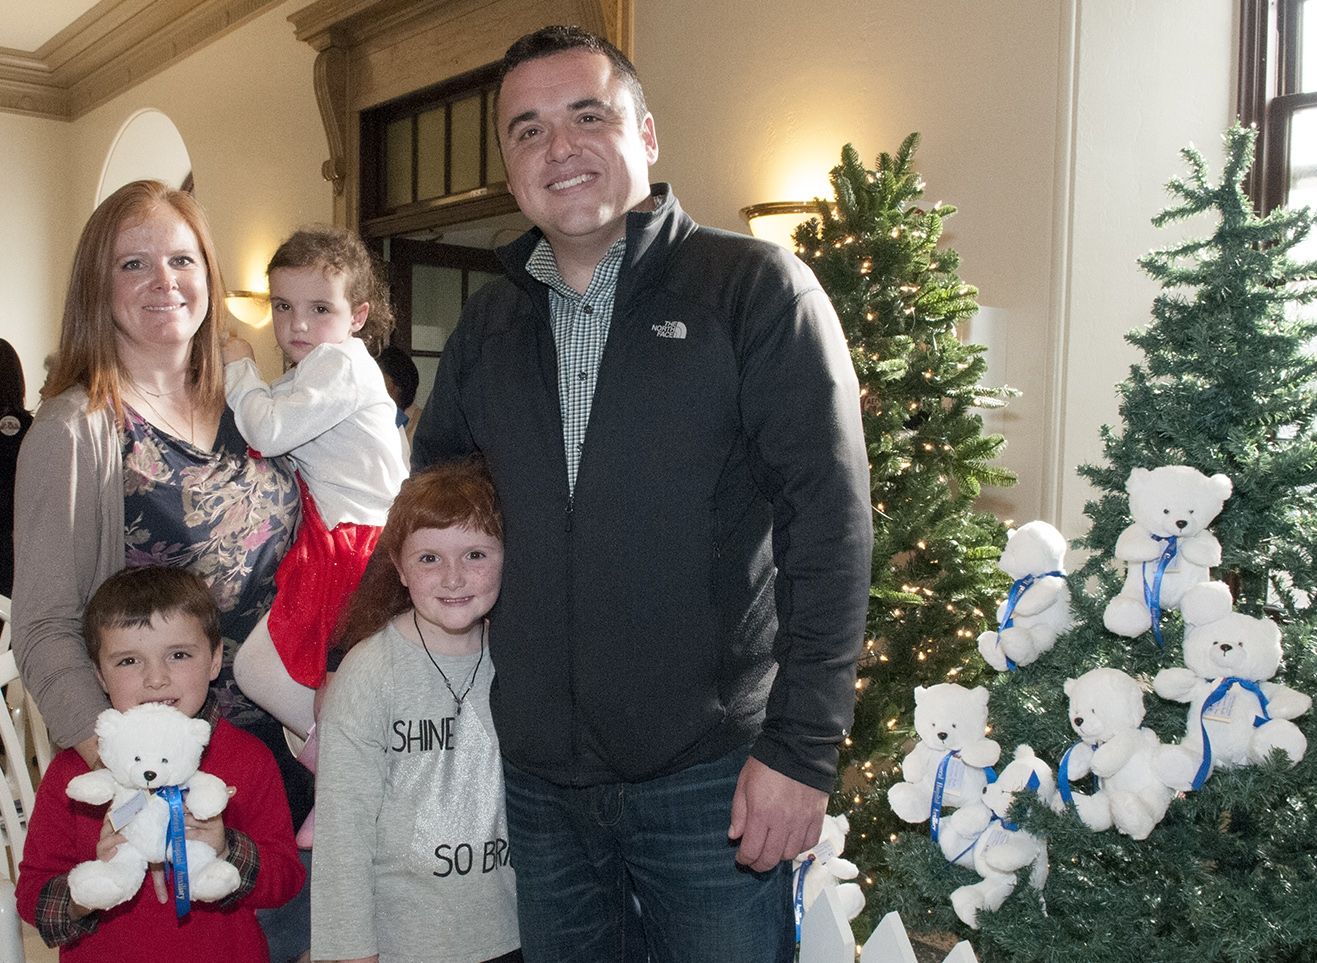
(153, 635)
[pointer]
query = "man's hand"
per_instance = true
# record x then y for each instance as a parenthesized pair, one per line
(235, 349)
(773, 816)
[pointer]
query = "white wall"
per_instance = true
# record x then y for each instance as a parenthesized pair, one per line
(1151, 77)
(762, 91)
(246, 109)
(756, 104)
(34, 157)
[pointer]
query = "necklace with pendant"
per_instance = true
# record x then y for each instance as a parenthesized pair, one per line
(191, 417)
(459, 699)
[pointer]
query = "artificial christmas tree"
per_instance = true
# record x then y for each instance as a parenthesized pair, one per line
(934, 577)
(1226, 386)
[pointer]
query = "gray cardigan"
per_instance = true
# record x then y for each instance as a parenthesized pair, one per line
(68, 539)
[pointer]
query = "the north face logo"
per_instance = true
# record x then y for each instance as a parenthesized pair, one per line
(670, 329)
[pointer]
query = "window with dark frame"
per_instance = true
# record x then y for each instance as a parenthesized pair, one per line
(434, 149)
(1278, 94)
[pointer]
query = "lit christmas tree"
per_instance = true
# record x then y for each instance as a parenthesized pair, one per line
(934, 575)
(1226, 385)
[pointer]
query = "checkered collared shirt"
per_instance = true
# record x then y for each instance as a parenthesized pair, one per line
(580, 328)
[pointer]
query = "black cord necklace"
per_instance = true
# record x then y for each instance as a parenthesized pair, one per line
(459, 699)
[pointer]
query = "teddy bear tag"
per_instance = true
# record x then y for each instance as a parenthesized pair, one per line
(955, 778)
(824, 851)
(121, 815)
(1223, 709)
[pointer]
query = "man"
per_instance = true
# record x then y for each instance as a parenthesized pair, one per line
(672, 422)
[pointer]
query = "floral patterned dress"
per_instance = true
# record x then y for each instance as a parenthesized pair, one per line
(229, 517)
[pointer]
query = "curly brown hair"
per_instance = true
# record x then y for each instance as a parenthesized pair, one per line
(338, 250)
(446, 495)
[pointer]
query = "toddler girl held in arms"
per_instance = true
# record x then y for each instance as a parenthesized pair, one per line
(331, 414)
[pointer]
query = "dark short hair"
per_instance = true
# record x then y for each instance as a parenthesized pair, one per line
(130, 599)
(396, 363)
(557, 39)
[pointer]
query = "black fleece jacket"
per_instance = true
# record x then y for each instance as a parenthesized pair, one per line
(706, 584)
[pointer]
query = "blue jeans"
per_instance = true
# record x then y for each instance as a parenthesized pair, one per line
(635, 872)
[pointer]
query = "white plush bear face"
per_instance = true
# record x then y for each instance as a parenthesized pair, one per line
(1104, 702)
(949, 716)
(1175, 499)
(1234, 644)
(151, 745)
(1033, 549)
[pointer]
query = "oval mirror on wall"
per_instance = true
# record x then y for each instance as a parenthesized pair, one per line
(148, 145)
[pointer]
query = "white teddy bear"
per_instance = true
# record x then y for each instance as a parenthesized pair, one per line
(945, 769)
(1168, 549)
(823, 868)
(1229, 656)
(144, 749)
(1037, 610)
(1106, 711)
(1001, 849)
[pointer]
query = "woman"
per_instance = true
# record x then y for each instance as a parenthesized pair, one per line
(14, 423)
(134, 459)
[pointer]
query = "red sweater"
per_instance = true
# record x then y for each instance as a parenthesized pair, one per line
(63, 833)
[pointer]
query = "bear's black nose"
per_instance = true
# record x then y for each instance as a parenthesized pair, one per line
(1180, 523)
(1079, 720)
(942, 736)
(149, 776)
(1226, 646)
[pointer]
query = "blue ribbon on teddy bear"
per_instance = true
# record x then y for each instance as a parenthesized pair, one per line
(1063, 775)
(176, 850)
(939, 789)
(1152, 594)
(1018, 588)
(1215, 696)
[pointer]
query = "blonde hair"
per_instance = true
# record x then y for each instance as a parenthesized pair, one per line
(88, 346)
(340, 251)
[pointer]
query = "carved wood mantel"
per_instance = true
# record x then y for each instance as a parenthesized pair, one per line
(373, 51)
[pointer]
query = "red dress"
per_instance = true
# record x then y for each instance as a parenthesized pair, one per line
(313, 583)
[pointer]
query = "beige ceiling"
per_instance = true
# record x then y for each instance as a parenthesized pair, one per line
(73, 55)
(25, 25)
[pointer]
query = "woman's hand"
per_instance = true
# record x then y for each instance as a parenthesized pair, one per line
(235, 349)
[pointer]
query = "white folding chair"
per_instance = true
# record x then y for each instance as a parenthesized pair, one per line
(22, 707)
(16, 801)
(6, 632)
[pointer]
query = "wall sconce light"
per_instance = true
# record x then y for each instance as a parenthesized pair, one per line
(776, 221)
(252, 308)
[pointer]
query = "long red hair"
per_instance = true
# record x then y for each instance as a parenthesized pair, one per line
(451, 494)
(88, 348)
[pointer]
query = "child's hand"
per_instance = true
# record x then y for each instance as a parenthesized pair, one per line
(109, 842)
(209, 831)
(235, 349)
